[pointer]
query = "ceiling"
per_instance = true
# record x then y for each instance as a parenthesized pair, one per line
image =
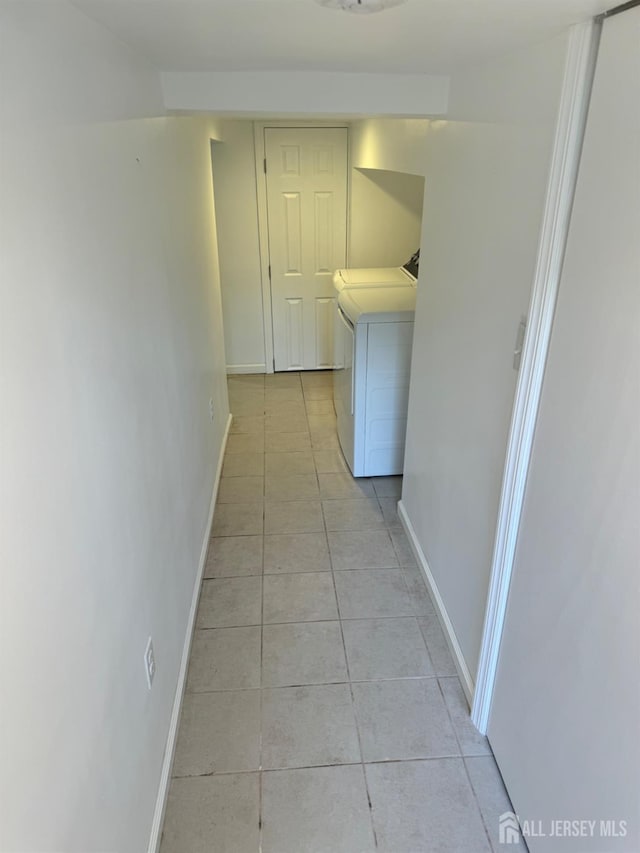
(422, 36)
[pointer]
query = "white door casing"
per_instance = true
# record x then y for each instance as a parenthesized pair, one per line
(306, 180)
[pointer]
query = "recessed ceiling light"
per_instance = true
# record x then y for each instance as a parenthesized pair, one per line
(360, 7)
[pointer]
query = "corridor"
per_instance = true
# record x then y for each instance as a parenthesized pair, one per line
(322, 711)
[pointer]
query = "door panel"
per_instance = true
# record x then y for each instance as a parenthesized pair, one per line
(294, 338)
(307, 213)
(292, 236)
(323, 222)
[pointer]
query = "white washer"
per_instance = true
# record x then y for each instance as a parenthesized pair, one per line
(371, 391)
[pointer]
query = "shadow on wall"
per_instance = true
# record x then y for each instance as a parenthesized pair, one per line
(386, 217)
(406, 190)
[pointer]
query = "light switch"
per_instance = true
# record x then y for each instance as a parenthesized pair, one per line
(517, 352)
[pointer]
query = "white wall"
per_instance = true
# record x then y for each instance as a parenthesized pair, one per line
(564, 719)
(111, 347)
(487, 168)
(388, 159)
(395, 145)
(280, 94)
(386, 217)
(240, 274)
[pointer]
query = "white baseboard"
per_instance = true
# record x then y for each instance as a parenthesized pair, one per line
(165, 776)
(447, 626)
(246, 368)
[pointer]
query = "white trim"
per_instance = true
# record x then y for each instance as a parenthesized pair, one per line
(263, 241)
(165, 776)
(565, 160)
(246, 368)
(447, 625)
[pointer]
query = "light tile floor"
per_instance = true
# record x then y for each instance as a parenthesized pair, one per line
(323, 713)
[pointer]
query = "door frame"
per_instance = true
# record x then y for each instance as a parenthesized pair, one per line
(567, 147)
(259, 128)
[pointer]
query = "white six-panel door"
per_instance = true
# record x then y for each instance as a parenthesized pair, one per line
(307, 219)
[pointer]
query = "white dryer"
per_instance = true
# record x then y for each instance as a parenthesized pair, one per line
(373, 277)
(368, 277)
(371, 390)
(404, 276)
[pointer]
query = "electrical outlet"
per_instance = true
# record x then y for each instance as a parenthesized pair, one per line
(149, 662)
(211, 407)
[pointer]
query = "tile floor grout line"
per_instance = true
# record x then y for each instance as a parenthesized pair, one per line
(476, 800)
(353, 701)
(315, 621)
(328, 498)
(261, 696)
(363, 764)
(426, 645)
(450, 718)
(375, 762)
(406, 586)
(312, 572)
(274, 687)
(424, 640)
(260, 703)
(293, 532)
(326, 571)
(444, 757)
(349, 681)
(222, 690)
